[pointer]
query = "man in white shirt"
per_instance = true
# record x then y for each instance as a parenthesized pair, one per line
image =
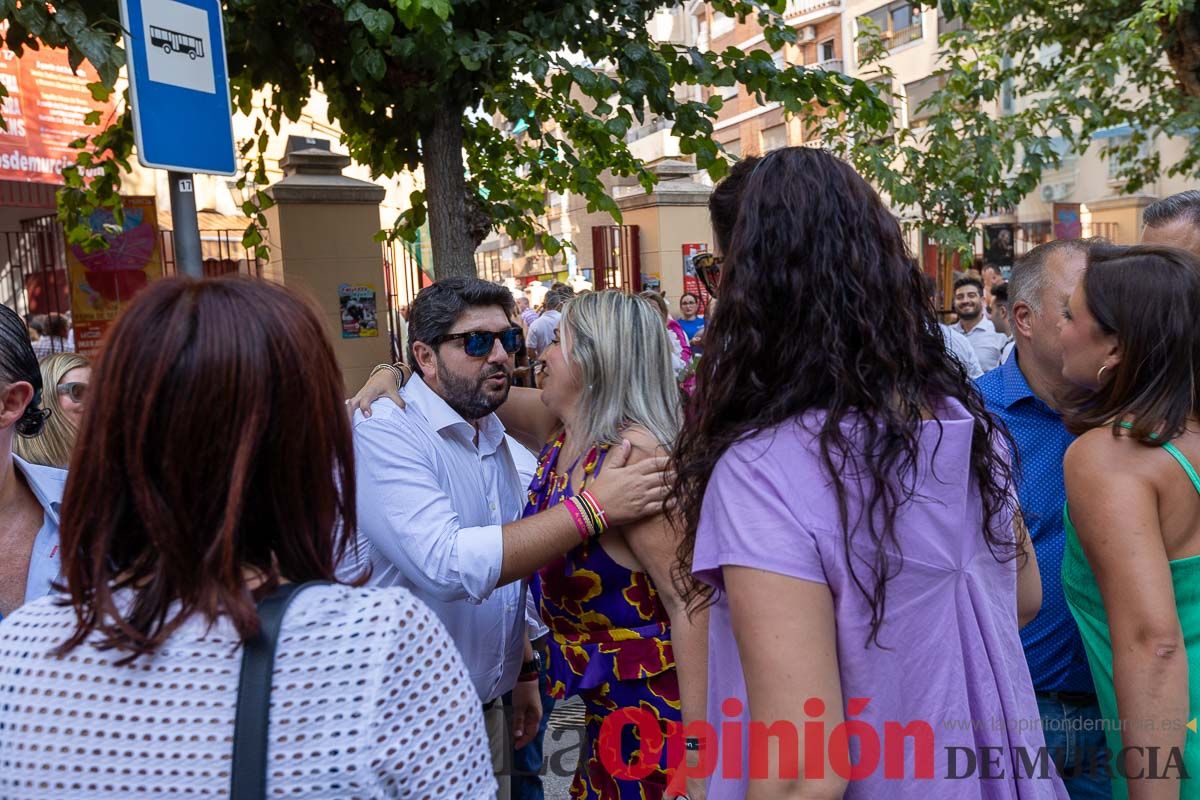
(972, 323)
(541, 330)
(956, 344)
(440, 496)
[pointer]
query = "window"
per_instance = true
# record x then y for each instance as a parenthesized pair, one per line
(899, 23)
(779, 60)
(825, 51)
(1008, 100)
(774, 138)
(728, 92)
(734, 148)
(1117, 160)
(918, 93)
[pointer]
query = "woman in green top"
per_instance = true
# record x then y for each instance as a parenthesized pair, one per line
(1131, 572)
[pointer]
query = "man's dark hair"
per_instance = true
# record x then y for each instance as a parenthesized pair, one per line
(439, 306)
(1184, 207)
(968, 280)
(38, 323)
(725, 200)
(1000, 293)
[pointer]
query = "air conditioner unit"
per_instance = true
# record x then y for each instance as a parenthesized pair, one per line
(808, 33)
(1054, 192)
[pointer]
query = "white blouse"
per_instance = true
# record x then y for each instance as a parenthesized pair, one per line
(369, 699)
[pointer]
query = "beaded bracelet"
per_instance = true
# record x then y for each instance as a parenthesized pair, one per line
(581, 523)
(596, 509)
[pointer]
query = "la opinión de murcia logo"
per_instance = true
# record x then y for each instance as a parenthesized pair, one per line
(831, 749)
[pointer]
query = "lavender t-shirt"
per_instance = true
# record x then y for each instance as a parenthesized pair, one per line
(954, 658)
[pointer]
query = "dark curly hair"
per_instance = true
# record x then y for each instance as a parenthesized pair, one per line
(18, 363)
(801, 327)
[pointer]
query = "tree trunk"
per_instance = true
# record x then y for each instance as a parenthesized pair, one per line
(1183, 50)
(453, 239)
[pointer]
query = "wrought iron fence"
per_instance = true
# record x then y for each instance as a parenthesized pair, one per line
(403, 278)
(33, 263)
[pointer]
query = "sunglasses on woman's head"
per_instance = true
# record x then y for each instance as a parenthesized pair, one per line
(708, 270)
(75, 390)
(478, 344)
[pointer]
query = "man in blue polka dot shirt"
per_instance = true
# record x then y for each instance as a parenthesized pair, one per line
(1024, 393)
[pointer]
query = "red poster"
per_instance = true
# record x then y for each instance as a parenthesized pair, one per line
(44, 112)
(691, 282)
(103, 282)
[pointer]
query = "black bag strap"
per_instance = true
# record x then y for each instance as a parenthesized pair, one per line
(249, 781)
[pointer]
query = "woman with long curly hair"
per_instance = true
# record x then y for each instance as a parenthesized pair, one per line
(849, 516)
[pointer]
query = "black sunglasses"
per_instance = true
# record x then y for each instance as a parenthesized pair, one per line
(708, 270)
(478, 344)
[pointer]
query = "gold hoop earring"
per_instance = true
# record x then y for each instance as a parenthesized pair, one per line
(1100, 373)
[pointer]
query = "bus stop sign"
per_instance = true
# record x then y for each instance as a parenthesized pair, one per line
(180, 85)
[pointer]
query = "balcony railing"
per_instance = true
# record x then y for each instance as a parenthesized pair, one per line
(829, 65)
(905, 35)
(796, 8)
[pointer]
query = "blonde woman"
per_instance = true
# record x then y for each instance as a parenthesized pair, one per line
(620, 636)
(68, 374)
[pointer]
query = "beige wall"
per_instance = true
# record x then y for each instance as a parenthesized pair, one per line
(317, 246)
(662, 232)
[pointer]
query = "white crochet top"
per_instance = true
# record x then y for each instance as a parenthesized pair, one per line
(370, 699)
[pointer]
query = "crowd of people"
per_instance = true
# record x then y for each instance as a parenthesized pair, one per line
(840, 521)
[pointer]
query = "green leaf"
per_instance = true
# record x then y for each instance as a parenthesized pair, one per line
(379, 24)
(100, 92)
(91, 118)
(371, 63)
(95, 46)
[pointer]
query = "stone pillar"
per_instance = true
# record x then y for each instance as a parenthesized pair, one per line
(675, 214)
(321, 232)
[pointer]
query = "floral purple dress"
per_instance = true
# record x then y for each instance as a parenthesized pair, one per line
(609, 643)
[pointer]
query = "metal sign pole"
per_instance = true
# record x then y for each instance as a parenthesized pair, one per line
(186, 233)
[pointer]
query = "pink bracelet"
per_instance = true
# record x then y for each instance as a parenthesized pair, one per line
(577, 515)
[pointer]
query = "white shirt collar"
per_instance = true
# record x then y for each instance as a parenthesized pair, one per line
(46, 483)
(440, 416)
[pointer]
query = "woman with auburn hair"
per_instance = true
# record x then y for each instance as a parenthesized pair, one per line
(620, 635)
(849, 514)
(1131, 570)
(68, 373)
(220, 469)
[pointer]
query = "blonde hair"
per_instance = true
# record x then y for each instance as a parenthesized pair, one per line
(52, 447)
(621, 347)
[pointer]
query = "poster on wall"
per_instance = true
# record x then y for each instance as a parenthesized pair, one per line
(104, 281)
(357, 304)
(1068, 224)
(691, 281)
(998, 241)
(45, 111)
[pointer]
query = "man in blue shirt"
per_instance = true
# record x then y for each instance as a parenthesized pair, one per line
(1025, 392)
